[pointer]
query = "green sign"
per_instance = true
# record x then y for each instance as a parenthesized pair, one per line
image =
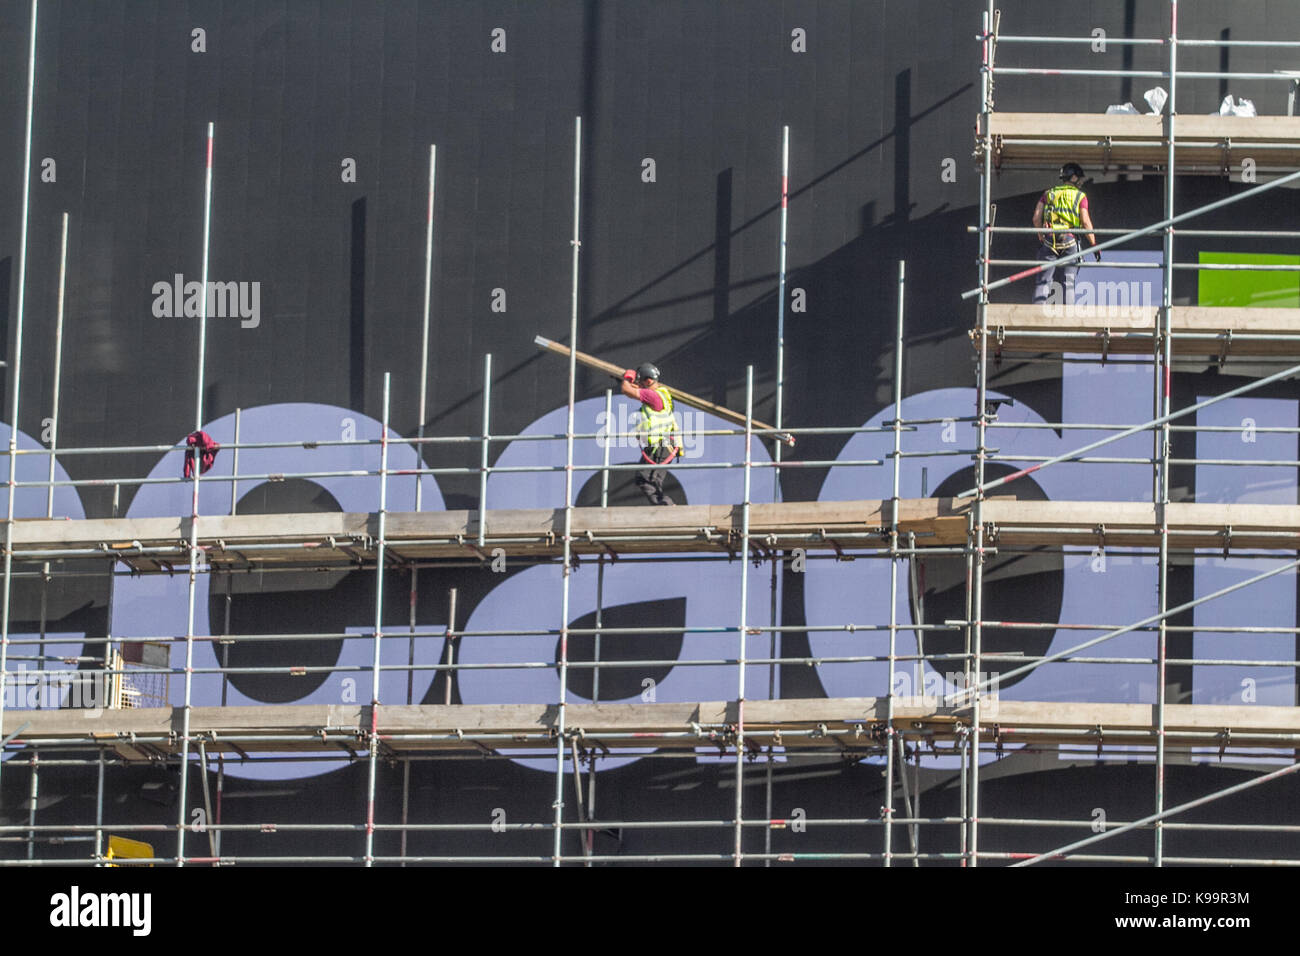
(1231, 287)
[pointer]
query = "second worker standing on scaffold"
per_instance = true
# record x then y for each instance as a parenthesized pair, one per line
(657, 427)
(1061, 207)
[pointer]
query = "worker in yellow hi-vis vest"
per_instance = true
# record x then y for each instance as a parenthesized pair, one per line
(658, 428)
(1063, 207)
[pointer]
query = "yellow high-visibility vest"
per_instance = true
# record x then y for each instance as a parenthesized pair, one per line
(1061, 210)
(659, 428)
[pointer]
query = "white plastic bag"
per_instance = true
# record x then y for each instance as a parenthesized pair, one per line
(1156, 98)
(1126, 108)
(1243, 107)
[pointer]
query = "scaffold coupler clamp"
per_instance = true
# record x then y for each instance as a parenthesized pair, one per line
(1225, 738)
(723, 740)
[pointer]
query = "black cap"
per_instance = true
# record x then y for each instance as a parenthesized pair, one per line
(647, 370)
(1071, 171)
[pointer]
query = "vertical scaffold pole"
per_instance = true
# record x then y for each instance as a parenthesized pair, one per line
(225, 631)
(780, 303)
(54, 425)
(99, 805)
(774, 639)
(33, 793)
(600, 559)
(450, 637)
(975, 540)
(424, 338)
(58, 367)
(194, 514)
(207, 802)
(483, 451)
(590, 836)
(412, 604)
(419, 455)
(380, 557)
(406, 806)
(738, 854)
(49, 507)
(568, 498)
(888, 809)
(17, 370)
(1164, 383)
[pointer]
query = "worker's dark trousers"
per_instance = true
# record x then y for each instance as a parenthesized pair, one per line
(651, 481)
(1043, 287)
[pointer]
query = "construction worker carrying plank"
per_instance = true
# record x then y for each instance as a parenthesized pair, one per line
(657, 427)
(1061, 207)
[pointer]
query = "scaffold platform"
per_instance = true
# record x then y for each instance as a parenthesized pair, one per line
(336, 539)
(1197, 331)
(815, 723)
(1204, 144)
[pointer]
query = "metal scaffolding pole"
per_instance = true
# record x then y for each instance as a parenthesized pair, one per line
(568, 497)
(780, 303)
(600, 568)
(483, 451)
(195, 555)
(888, 809)
(49, 503)
(738, 854)
(380, 546)
(424, 334)
(589, 836)
(208, 819)
(99, 806)
(450, 638)
(406, 807)
(54, 424)
(414, 597)
(227, 640)
(58, 365)
(17, 373)
(419, 480)
(975, 536)
(34, 761)
(775, 636)
(1164, 382)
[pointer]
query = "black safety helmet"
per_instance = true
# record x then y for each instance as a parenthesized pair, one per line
(647, 370)
(1071, 171)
